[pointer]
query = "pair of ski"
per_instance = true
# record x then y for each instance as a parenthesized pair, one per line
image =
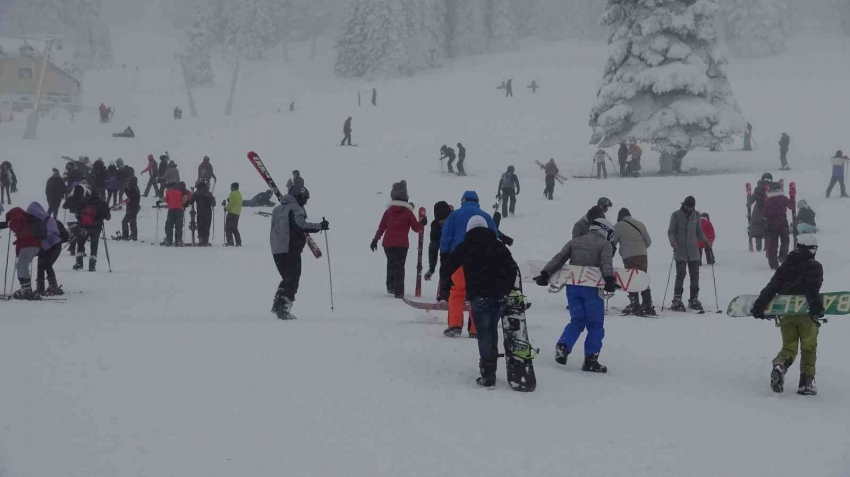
(560, 178)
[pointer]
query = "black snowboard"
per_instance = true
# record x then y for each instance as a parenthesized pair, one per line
(519, 353)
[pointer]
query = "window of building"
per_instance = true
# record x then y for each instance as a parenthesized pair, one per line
(25, 73)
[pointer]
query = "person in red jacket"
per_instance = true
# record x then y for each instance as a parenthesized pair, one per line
(708, 245)
(27, 247)
(396, 223)
(176, 198)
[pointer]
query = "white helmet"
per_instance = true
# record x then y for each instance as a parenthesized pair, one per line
(603, 227)
(807, 241)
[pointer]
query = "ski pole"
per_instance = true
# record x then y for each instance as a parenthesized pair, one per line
(14, 277)
(6, 272)
(716, 301)
(330, 276)
(213, 224)
(156, 237)
(667, 287)
(106, 247)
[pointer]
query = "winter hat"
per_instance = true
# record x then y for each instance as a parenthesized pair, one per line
(475, 222)
(767, 176)
(807, 242)
(201, 185)
(802, 204)
(705, 214)
(594, 213)
(690, 202)
(119, 162)
(234, 186)
(469, 196)
(511, 168)
(442, 210)
(839, 153)
(399, 191)
(163, 158)
(624, 212)
(206, 158)
(55, 170)
(604, 228)
(604, 203)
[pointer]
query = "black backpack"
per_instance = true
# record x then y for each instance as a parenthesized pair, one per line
(38, 228)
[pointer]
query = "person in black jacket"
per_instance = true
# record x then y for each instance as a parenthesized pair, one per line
(490, 272)
(622, 158)
(129, 229)
(441, 213)
(90, 211)
(800, 274)
(163, 167)
(346, 131)
(447, 152)
(99, 176)
(508, 190)
(55, 192)
(204, 203)
(461, 156)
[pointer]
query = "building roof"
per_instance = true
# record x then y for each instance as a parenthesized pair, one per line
(52, 66)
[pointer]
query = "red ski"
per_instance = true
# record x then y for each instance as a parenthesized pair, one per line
(749, 214)
(422, 214)
(792, 194)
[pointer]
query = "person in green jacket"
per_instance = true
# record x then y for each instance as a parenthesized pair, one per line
(233, 208)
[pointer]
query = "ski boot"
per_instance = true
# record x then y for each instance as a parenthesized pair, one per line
(25, 292)
(677, 304)
(276, 304)
(694, 304)
(487, 367)
(284, 311)
(592, 365)
(39, 289)
(807, 386)
(92, 264)
(452, 332)
(78, 265)
(561, 353)
(647, 309)
(777, 377)
(633, 308)
(165, 243)
(54, 289)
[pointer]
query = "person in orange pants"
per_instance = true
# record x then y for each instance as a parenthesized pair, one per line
(457, 303)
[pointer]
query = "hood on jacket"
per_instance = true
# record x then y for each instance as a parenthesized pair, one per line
(442, 210)
(476, 222)
(400, 203)
(469, 195)
(624, 212)
(15, 213)
(35, 209)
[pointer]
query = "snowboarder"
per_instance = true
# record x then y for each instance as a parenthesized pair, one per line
(756, 228)
(396, 223)
(634, 240)
(176, 198)
(453, 234)
(599, 160)
(598, 211)
(489, 272)
(587, 309)
(441, 212)
(153, 173)
(172, 175)
(622, 158)
(509, 88)
(748, 138)
(839, 162)
(461, 156)
(233, 209)
(684, 234)
(263, 199)
(784, 143)
(205, 172)
(8, 182)
(805, 223)
(296, 180)
(346, 130)
(801, 274)
(777, 229)
(508, 191)
(704, 245)
(633, 164)
(550, 169)
(374, 96)
(129, 227)
(51, 248)
(288, 236)
(204, 204)
(90, 211)
(447, 152)
(29, 232)
(55, 192)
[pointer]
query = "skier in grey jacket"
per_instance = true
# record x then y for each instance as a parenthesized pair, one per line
(683, 233)
(634, 240)
(288, 236)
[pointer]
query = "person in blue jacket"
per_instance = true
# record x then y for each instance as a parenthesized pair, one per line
(454, 232)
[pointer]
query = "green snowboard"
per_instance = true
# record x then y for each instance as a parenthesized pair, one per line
(834, 303)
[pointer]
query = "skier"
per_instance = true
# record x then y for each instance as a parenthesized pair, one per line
(454, 231)
(461, 156)
(233, 209)
(684, 233)
(508, 190)
(801, 274)
(489, 272)
(263, 199)
(622, 158)
(633, 165)
(176, 197)
(748, 138)
(447, 152)
(73, 175)
(296, 180)
(8, 182)
(172, 175)
(839, 162)
(129, 228)
(153, 173)
(756, 201)
(587, 309)
(784, 143)
(550, 169)
(441, 212)
(90, 211)
(29, 232)
(346, 130)
(707, 230)
(55, 192)
(204, 204)
(599, 160)
(397, 222)
(805, 223)
(288, 236)
(99, 178)
(51, 248)
(163, 167)
(634, 240)
(509, 88)
(124, 174)
(104, 113)
(777, 230)
(205, 172)
(598, 211)
(112, 185)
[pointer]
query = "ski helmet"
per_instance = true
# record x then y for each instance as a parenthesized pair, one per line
(767, 176)
(234, 186)
(301, 194)
(807, 242)
(604, 228)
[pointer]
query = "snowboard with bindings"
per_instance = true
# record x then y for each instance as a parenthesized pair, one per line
(834, 303)
(418, 293)
(264, 173)
(519, 352)
(630, 281)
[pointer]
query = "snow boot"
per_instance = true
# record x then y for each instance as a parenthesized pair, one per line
(694, 304)
(452, 332)
(278, 301)
(284, 311)
(647, 309)
(92, 264)
(592, 365)
(807, 385)
(677, 304)
(54, 290)
(165, 243)
(633, 308)
(487, 367)
(39, 289)
(561, 353)
(78, 265)
(777, 377)
(25, 292)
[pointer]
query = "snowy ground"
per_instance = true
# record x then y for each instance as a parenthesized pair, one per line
(173, 366)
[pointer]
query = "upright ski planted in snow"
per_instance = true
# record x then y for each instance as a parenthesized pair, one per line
(749, 214)
(422, 214)
(792, 194)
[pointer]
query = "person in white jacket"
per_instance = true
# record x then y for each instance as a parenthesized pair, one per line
(633, 238)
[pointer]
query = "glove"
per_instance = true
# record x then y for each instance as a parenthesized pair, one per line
(374, 245)
(517, 193)
(224, 203)
(675, 245)
(507, 240)
(443, 294)
(611, 285)
(542, 279)
(816, 310)
(428, 275)
(499, 196)
(424, 221)
(324, 225)
(758, 311)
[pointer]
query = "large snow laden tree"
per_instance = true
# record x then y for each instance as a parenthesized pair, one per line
(757, 28)
(665, 81)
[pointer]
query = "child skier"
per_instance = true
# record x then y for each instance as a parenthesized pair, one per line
(29, 232)
(587, 309)
(800, 274)
(233, 208)
(805, 223)
(708, 244)
(397, 222)
(489, 272)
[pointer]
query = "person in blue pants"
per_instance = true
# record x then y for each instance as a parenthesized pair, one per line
(587, 310)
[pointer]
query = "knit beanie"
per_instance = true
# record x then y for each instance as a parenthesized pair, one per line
(399, 191)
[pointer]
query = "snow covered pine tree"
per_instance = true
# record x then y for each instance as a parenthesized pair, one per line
(665, 81)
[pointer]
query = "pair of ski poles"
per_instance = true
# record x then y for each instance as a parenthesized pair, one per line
(667, 287)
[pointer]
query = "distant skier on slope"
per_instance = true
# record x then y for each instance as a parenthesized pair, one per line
(55, 192)
(461, 157)
(599, 160)
(206, 172)
(551, 171)
(784, 145)
(805, 223)
(622, 158)
(396, 223)
(756, 228)
(263, 199)
(839, 162)
(508, 191)
(684, 234)
(711, 235)
(233, 209)
(8, 182)
(346, 131)
(129, 226)
(296, 180)
(447, 152)
(204, 205)
(153, 177)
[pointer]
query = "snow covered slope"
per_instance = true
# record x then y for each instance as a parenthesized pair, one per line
(173, 365)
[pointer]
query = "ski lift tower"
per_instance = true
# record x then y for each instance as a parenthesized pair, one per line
(32, 119)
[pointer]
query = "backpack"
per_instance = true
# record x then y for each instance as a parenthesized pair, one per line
(64, 236)
(507, 181)
(37, 227)
(88, 216)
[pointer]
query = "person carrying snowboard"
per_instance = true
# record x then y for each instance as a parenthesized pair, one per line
(633, 238)
(176, 197)
(839, 162)
(784, 144)
(706, 245)
(489, 272)
(396, 223)
(599, 160)
(233, 209)
(206, 172)
(684, 234)
(153, 176)
(447, 152)
(755, 203)
(346, 131)
(805, 223)
(204, 204)
(461, 156)
(777, 229)
(55, 192)
(90, 211)
(441, 213)
(508, 191)
(29, 232)
(802, 275)
(454, 231)
(551, 171)
(587, 309)
(288, 236)
(8, 182)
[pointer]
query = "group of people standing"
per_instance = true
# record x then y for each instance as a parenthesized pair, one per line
(447, 152)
